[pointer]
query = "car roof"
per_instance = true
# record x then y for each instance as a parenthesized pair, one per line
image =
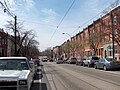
(13, 58)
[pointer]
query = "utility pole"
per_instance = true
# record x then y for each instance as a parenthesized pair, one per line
(15, 35)
(15, 25)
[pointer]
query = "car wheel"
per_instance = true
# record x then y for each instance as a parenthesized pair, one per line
(95, 66)
(105, 68)
(76, 63)
(29, 88)
(83, 64)
(88, 65)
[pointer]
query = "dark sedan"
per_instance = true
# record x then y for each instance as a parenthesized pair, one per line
(107, 63)
(80, 61)
(72, 60)
(59, 61)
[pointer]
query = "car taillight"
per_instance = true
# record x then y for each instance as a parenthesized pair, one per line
(110, 62)
(91, 61)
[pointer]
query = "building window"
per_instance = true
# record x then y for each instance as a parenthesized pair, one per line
(110, 37)
(105, 53)
(110, 53)
(115, 49)
(104, 26)
(115, 20)
(99, 52)
(0, 40)
(105, 38)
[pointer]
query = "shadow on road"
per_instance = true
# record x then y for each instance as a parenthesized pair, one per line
(39, 86)
(43, 86)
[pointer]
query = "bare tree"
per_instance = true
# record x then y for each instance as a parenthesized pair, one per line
(113, 25)
(25, 39)
(95, 38)
(67, 49)
(30, 48)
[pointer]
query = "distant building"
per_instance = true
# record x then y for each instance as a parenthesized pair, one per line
(6, 44)
(105, 38)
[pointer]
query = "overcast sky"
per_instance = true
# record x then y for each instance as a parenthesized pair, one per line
(44, 17)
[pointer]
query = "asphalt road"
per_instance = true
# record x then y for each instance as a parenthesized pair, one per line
(72, 77)
(37, 80)
(40, 80)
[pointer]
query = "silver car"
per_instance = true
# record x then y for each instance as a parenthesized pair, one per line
(107, 63)
(15, 73)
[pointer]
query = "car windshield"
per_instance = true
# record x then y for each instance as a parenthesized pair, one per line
(44, 58)
(59, 59)
(95, 58)
(110, 59)
(73, 58)
(11, 64)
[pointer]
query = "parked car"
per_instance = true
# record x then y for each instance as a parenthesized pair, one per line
(107, 63)
(36, 61)
(59, 61)
(72, 60)
(45, 59)
(90, 61)
(15, 73)
(80, 61)
(65, 60)
(51, 60)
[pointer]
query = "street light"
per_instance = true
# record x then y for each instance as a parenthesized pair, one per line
(67, 34)
(70, 44)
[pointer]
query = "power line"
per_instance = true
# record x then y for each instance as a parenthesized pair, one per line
(95, 16)
(85, 23)
(62, 20)
(66, 13)
(116, 3)
(50, 25)
(7, 10)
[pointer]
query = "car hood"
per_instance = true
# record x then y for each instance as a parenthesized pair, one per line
(14, 74)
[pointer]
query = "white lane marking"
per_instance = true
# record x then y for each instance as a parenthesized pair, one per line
(39, 67)
(39, 73)
(114, 72)
(38, 81)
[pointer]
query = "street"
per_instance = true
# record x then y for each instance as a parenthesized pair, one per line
(37, 80)
(40, 80)
(72, 77)
(60, 45)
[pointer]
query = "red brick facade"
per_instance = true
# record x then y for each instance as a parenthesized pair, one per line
(96, 39)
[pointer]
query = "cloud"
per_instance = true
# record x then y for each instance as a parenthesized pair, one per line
(49, 16)
(11, 2)
(48, 12)
(3, 20)
(29, 3)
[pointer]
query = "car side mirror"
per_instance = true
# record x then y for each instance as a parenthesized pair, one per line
(31, 64)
